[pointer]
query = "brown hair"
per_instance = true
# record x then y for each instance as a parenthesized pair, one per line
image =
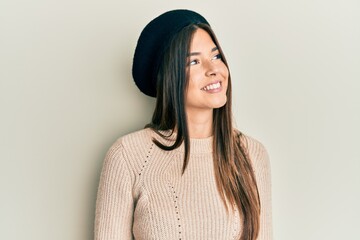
(234, 174)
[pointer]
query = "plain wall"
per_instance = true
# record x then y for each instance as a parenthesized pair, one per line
(66, 94)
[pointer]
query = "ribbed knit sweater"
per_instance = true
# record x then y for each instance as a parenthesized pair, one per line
(143, 195)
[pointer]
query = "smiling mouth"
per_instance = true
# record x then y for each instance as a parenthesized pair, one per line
(212, 86)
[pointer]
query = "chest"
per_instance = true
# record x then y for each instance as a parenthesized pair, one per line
(172, 205)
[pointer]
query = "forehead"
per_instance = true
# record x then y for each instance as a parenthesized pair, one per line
(201, 40)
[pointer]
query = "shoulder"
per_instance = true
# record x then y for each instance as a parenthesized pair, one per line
(128, 146)
(255, 149)
(259, 158)
(131, 140)
(252, 144)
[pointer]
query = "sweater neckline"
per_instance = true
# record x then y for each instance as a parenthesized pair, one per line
(197, 145)
(200, 145)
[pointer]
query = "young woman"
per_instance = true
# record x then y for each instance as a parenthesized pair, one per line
(189, 174)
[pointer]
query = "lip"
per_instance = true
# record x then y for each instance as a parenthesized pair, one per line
(212, 90)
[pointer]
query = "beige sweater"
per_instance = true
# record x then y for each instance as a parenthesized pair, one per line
(142, 194)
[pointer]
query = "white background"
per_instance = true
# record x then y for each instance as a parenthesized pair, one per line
(66, 94)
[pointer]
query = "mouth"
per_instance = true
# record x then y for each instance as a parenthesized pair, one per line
(212, 86)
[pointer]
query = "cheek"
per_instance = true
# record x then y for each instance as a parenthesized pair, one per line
(191, 89)
(194, 75)
(225, 74)
(194, 82)
(191, 83)
(225, 71)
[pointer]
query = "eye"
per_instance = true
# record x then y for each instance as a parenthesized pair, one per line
(194, 62)
(217, 56)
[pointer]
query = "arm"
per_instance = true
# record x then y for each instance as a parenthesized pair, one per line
(114, 204)
(264, 186)
(261, 165)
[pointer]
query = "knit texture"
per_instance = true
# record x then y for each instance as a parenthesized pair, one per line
(142, 194)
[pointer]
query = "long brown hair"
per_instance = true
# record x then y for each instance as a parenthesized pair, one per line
(234, 174)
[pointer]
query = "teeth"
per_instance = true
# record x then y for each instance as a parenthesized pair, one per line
(212, 86)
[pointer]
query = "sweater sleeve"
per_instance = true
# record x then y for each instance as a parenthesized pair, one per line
(261, 165)
(114, 204)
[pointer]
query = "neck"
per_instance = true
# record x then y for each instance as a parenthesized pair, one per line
(200, 123)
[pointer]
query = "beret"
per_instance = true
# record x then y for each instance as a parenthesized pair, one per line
(153, 42)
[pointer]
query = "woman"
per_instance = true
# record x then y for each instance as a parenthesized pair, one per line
(189, 174)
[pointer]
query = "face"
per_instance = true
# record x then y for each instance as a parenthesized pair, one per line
(208, 75)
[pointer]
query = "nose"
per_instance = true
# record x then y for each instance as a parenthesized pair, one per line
(210, 68)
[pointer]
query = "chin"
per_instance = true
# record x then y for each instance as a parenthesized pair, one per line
(220, 104)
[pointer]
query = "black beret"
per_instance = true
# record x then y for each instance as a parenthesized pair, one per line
(152, 43)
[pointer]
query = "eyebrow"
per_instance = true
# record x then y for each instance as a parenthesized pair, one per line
(198, 53)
